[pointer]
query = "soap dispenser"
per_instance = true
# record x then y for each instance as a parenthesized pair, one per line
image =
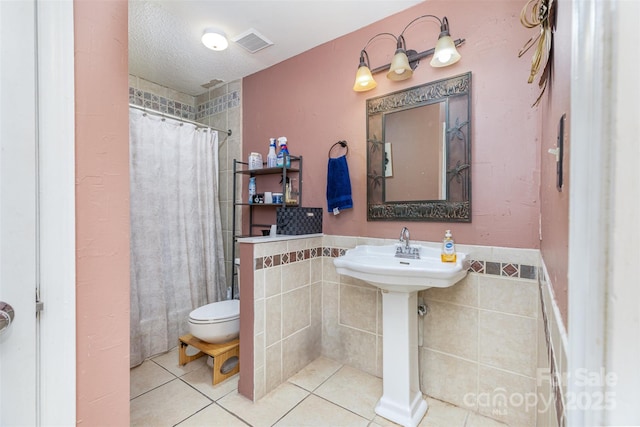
(448, 248)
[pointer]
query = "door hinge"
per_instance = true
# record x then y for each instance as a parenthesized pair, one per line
(39, 304)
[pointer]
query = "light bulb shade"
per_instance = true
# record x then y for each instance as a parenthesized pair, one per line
(445, 52)
(214, 39)
(400, 68)
(364, 79)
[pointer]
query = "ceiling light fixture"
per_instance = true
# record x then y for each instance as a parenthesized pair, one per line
(405, 61)
(215, 39)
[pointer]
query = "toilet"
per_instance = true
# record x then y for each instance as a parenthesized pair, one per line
(217, 322)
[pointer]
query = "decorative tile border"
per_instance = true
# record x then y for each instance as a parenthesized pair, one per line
(162, 104)
(288, 257)
(504, 269)
(218, 104)
(300, 255)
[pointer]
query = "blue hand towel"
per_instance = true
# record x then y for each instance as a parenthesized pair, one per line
(338, 184)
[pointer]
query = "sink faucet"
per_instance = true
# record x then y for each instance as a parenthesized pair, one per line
(404, 237)
(406, 251)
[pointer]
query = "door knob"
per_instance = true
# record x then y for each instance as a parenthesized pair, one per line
(6, 316)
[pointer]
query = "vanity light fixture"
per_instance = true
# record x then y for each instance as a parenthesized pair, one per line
(215, 39)
(445, 51)
(364, 79)
(399, 68)
(405, 61)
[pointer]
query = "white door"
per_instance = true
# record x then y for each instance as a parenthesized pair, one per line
(37, 205)
(18, 167)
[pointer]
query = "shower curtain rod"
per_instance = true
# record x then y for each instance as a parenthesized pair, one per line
(169, 116)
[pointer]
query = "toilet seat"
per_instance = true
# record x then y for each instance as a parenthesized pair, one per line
(216, 312)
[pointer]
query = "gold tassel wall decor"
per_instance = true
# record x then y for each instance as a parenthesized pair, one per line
(539, 13)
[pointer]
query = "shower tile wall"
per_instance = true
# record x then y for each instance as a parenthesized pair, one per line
(160, 98)
(219, 107)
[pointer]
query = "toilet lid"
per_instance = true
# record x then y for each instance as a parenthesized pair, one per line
(216, 311)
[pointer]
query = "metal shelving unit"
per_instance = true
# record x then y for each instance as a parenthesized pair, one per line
(241, 168)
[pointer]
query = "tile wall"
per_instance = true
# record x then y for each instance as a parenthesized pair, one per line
(219, 107)
(552, 357)
(160, 98)
(479, 349)
(287, 287)
(476, 346)
(352, 312)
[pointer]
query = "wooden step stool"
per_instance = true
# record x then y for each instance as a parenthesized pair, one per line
(221, 353)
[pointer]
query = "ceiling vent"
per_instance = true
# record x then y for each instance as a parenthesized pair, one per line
(252, 40)
(212, 83)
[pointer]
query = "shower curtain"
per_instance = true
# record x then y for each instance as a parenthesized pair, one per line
(177, 257)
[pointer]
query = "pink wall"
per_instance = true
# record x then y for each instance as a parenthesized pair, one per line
(554, 204)
(102, 212)
(309, 99)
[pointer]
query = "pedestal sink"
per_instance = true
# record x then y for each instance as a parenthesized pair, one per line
(400, 280)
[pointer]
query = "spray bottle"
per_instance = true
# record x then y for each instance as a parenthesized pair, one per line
(272, 157)
(283, 156)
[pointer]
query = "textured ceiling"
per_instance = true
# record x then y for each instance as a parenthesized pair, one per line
(164, 35)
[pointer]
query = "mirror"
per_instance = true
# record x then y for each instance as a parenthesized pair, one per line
(419, 153)
(418, 137)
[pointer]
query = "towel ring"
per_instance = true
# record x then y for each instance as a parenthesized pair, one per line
(343, 144)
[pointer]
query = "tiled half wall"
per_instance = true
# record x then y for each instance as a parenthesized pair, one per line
(477, 342)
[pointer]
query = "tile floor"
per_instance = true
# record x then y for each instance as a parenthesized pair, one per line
(325, 393)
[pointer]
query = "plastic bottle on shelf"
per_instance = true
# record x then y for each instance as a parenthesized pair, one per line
(291, 194)
(255, 161)
(272, 157)
(287, 192)
(252, 188)
(283, 156)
